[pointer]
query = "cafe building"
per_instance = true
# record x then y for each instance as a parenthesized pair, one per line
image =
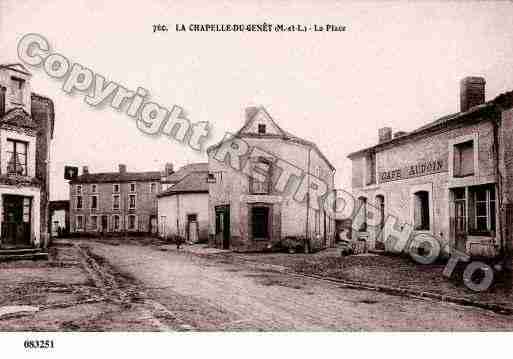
(451, 178)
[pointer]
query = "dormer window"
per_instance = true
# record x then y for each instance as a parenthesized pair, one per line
(17, 157)
(17, 86)
(261, 128)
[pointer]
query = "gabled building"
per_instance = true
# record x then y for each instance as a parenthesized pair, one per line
(183, 206)
(26, 131)
(451, 178)
(266, 186)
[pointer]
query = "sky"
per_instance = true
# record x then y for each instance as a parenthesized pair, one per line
(398, 64)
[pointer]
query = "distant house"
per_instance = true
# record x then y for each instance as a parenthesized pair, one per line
(59, 218)
(26, 131)
(115, 202)
(255, 206)
(183, 206)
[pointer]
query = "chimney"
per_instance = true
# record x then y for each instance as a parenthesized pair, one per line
(85, 170)
(168, 169)
(472, 92)
(122, 168)
(384, 134)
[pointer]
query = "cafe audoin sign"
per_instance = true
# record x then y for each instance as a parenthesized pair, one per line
(423, 168)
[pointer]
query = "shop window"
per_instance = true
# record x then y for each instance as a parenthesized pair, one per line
(263, 167)
(460, 210)
(421, 211)
(362, 205)
(482, 210)
(463, 159)
(260, 222)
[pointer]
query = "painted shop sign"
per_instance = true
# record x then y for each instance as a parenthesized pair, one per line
(423, 168)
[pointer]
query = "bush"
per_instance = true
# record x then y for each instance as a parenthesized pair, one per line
(293, 244)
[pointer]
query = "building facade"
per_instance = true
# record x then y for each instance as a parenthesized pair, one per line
(114, 202)
(183, 207)
(26, 131)
(253, 204)
(450, 179)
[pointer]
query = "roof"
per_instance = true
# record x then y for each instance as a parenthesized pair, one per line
(284, 135)
(19, 67)
(439, 123)
(185, 170)
(194, 182)
(117, 177)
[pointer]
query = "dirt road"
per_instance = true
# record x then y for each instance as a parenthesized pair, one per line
(219, 296)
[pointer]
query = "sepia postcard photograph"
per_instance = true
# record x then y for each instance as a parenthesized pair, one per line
(256, 178)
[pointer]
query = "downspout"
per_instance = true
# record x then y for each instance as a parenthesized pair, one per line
(307, 244)
(499, 185)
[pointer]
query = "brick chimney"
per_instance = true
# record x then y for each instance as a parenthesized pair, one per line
(122, 168)
(85, 170)
(168, 169)
(472, 92)
(384, 134)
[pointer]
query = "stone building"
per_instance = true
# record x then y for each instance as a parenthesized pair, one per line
(260, 195)
(26, 131)
(450, 178)
(115, 202)
(183, 207)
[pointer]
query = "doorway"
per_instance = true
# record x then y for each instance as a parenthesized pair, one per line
(105, 222)
(192, 228)
(153, 224)
(223, 226)
(16, 229)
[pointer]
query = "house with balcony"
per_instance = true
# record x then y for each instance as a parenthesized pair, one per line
(26, 131)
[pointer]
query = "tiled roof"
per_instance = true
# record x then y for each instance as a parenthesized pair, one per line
(185, 170)
(116, 177)
(194, 182)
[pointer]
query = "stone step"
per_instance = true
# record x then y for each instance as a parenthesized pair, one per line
(23, 255)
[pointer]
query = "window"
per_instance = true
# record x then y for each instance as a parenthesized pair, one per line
(79, 202)
(132, 187)
(79, 189)
(380, 202)
(94, 188)
(131, 201)
(260, 222)
(94, 202)
(17, 85)
(115, 201)
(153, 188)
(262, 168)
(463, 159)
(460, 209)
(482, 210)
(317, 221)
(116, 223)
(362, 205)
(17, 157)
(94, 223)
(2, 101)
(115, 188)
(261, 128)
(80, 223)
(421, 211)
(131, 222)
(370, 174)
